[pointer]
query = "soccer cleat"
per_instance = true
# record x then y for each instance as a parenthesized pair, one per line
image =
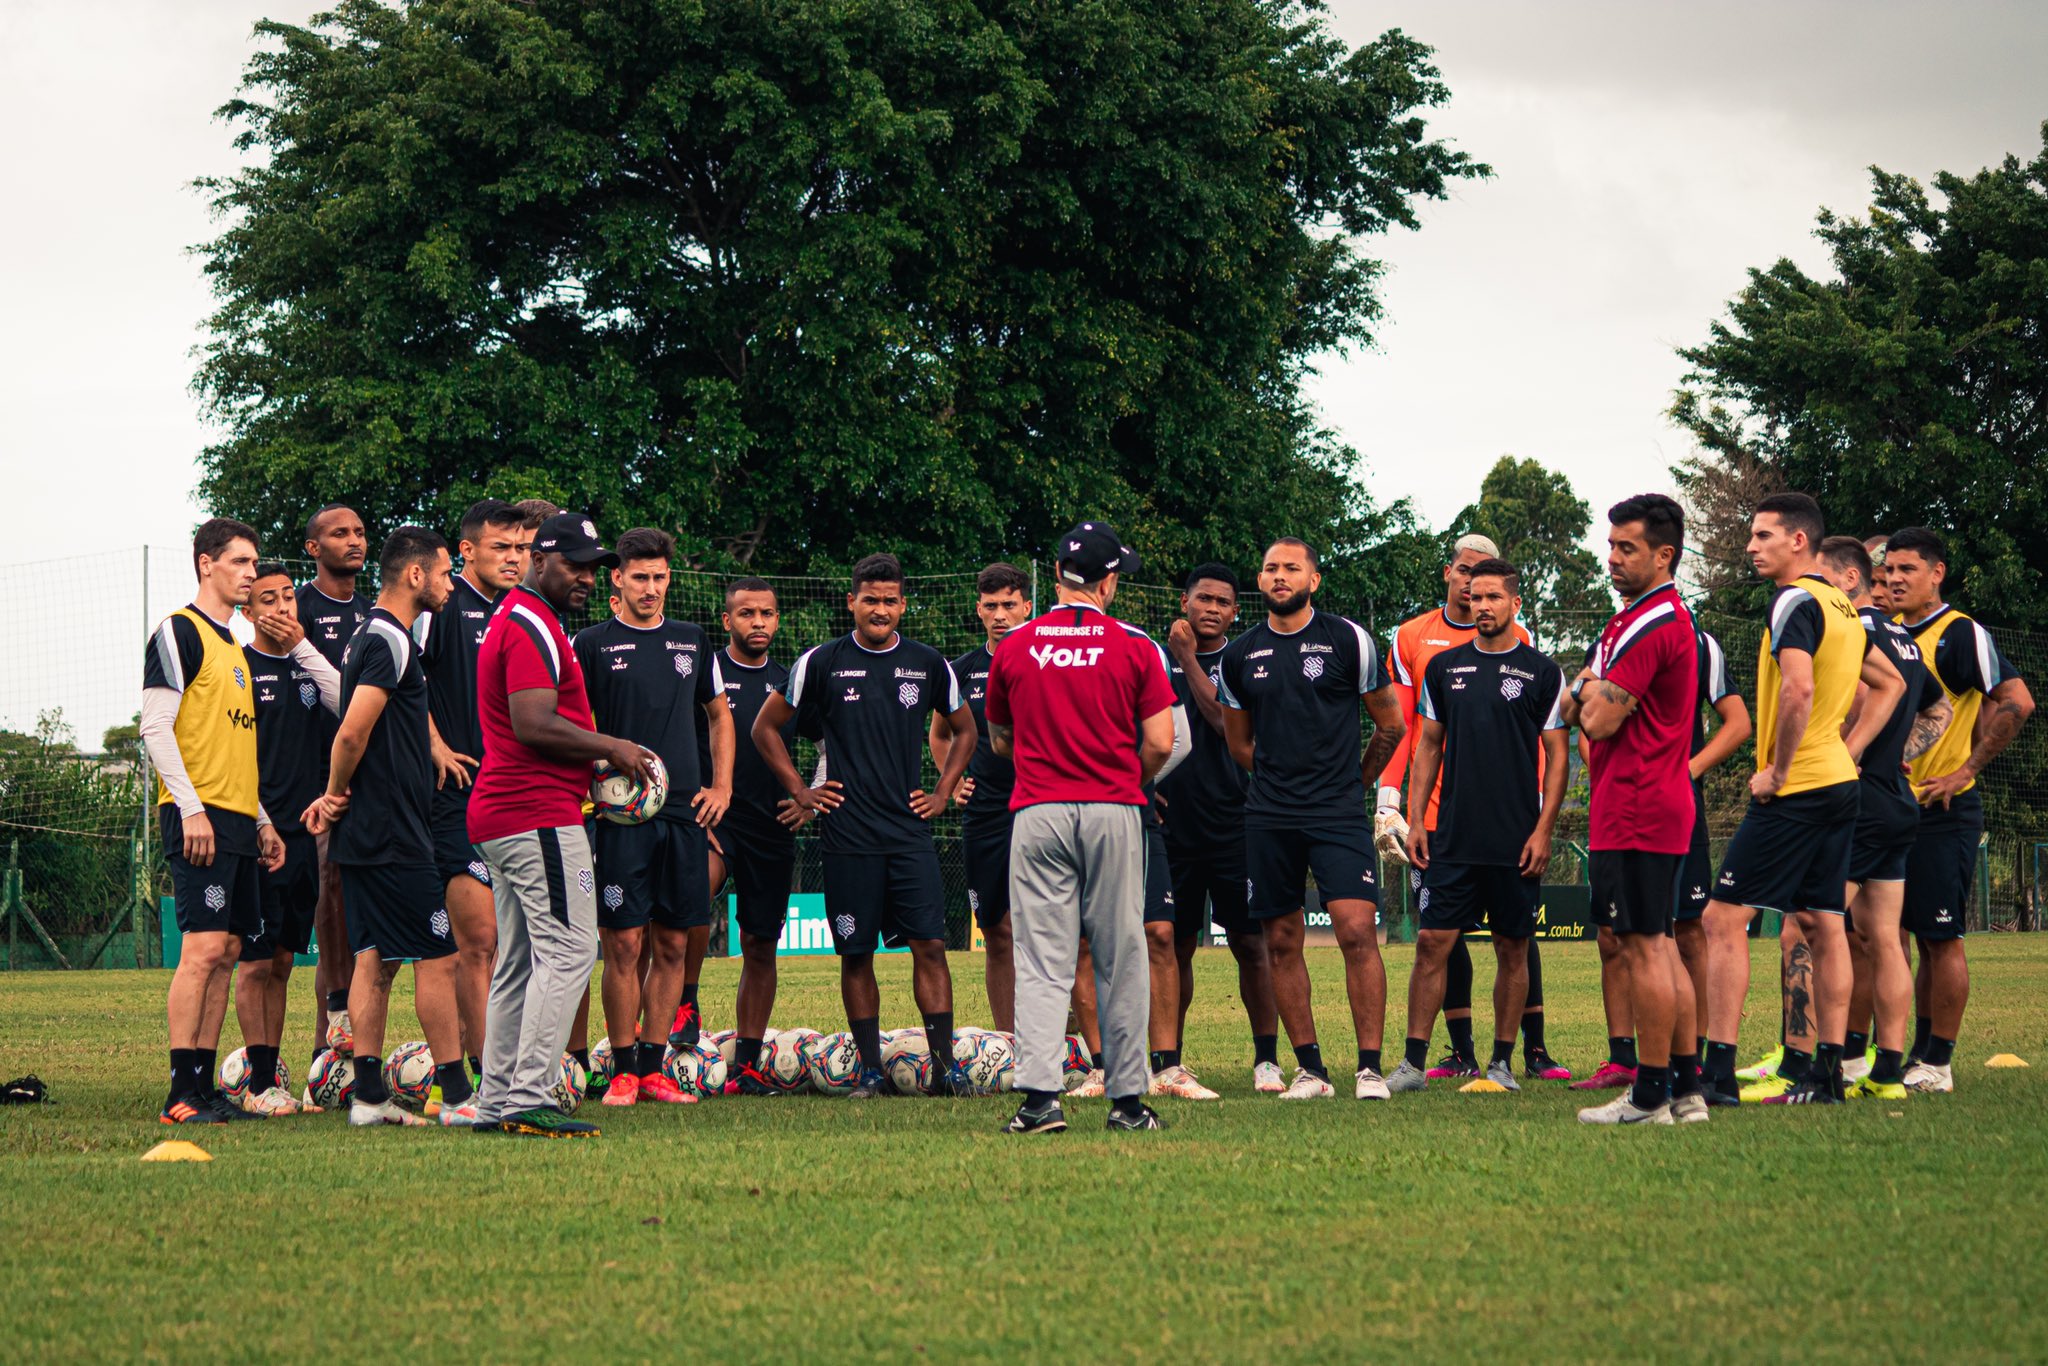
(1855, 1069)
(227, 1109)
(1037, 1119)
(1766, 1066)
(1690, 1109)
(1451, 1065)
(1765, 1091)
(1371, 1085)
(750, 1082)
(1538, 1065)
(1607, 1077)
(1308, 1086)
(1502, 1074)
(1715, 1096)
(624, 1090)
(1266, 1079)
(271, 1103)
(659, 1087)
(1094, 1086)
(364, 1116)
(1863, 1088)
(1812, 1091)
(546, 1122)
(1407, 1077)
(686, 1029)
(1141, 1118)
(461, 1116)
(187, 1110)
(340, 1036)
(1179, 1082)
(1623, 1110)
(1925, 1077)
(873, 1083)
(951, 1082)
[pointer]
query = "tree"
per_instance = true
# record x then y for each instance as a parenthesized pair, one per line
(123, 741)
(1540, 526)
(803, 281)
(1909, 388)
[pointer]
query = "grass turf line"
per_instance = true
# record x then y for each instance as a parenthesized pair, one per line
(1433, 1225)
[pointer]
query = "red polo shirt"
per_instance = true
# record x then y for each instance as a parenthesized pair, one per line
(517, 789)
(1642, 791)
(1070, 684)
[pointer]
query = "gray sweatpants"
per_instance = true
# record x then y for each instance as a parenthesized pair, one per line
(546, 900)
(1079, 868)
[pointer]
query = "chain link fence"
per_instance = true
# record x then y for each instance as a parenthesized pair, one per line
(83, 871)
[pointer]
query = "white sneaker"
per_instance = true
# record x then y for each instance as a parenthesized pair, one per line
(361, 1116)
(1690, 1109)
(1178, 1081)
(1371, 1085)
(1308, 1086)
(1266, 1079)
(1857, 1068)
(1622, 1110)
(1094, 1086)
(271, 1103)
(1926, 1077)
(1502, 1074)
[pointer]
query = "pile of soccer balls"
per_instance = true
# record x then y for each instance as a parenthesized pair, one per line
(408, 1075)
(799, 1061)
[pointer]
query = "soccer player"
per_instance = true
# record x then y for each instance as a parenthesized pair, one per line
(1637, 701)
(296, 689)
(199, 730)
(650, 678)
(1416, 642)
(1491, 725)
(1792, 851)
(1990, 703)
(378, 806)
(1292, 685)
(332, 611)
(1887, 823)
(867, 696)
(492, 540)
(756, 842)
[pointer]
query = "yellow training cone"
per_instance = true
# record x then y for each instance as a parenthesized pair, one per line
(177, 1150)
(1485, 1087)
(2005, 1060)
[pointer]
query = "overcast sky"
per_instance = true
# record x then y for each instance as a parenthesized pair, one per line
(1644, 156)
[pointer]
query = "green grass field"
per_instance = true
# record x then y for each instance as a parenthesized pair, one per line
(1440, 1225)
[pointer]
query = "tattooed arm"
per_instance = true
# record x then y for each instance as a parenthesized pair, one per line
(1388, 726)
(1927, 728)
(2005, 711)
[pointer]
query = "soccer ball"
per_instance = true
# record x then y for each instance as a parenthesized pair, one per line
(834, 1064)
(1077, 1064)
(601, 1066)
(721, 1042)
(907, 1061)
(234, 1075)
(409, 1074)
(571, 1082)
(624, 800)
(340, 1037)
(331, 1079)
(988, 1059)
(782, 1061)
(697, 1070)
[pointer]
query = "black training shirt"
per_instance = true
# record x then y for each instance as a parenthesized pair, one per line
(1205, 794)
(393, 786)
(650, 685)
(755, 794)
(291, 737)
(1302, 692)
(1494, 709)
(1887, 794)
(449, 641)
(994, 776)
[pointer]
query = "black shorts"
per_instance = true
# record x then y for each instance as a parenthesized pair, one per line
(1278, 863)
(395, 908)
(454, 855)
(762, 869)
(1696, 873)
(1878, 855)
(224, 896)
(1208, 882)
(659, 870)
(1634, 892)
(1941, 872)
(1159, 899)
(1791, 854)
(1465, 896)
(289, 896)
(891, 897)
(985, 849)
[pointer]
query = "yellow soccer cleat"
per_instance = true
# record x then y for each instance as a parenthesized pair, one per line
(1764, 1068)
(1863, 1088)
(1770, 1088)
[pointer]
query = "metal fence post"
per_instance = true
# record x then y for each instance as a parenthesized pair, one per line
(8, 897)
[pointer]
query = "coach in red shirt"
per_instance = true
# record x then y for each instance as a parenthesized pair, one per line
(526, 820)
(1062, 692)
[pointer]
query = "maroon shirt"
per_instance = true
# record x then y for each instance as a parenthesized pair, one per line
(517, 789)
(1642, 790)
(1068, 683)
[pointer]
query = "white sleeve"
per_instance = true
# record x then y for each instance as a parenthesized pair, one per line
(160, 742)
(1183, 743)
(1369, 675)
(793, 690)
(326, 677)
(953, 699)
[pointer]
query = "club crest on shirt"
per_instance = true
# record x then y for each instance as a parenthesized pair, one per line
(906, 693)
(684, 664)
(241, 679)
(1511, 688)
(1312, 666)
(309, 695)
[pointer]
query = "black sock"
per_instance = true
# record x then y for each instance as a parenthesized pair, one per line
(938, 1036)
(1855, 1045)
(337, 1001)
(476, 1066)
(1532, 1029)
(1265, 1048)
(867, 1037)
(1309, 1058)
(1458, 980)
(209, 1068)
(1652, 1088)
(184, 1067)
(1418, 1054)
(1720, 1065)
(1038, 1100)
(747, 1053)
(1621, 1052)
(1889, 1066)
(582, 1056)
(1923, 1030)
(262, 1068)
(651, 1055)
(690, 995)
(1368, 1060)
(1502, 1052)
(1827, 1066)
(370, 1079)
(1163, 1058)
(1939, 1052)
(1685, 1076)
(1460, 1031)
(1127, 1105)
(453, 1081)
(1796, 1066)
(1533, 1002)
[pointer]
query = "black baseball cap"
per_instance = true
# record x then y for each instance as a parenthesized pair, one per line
(1090, 552)
(574, 536)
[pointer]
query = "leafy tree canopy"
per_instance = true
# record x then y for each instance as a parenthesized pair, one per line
(1540, 525)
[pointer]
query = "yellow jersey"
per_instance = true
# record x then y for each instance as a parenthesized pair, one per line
(1966, 662)
(1816, 618)
(195, 656)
